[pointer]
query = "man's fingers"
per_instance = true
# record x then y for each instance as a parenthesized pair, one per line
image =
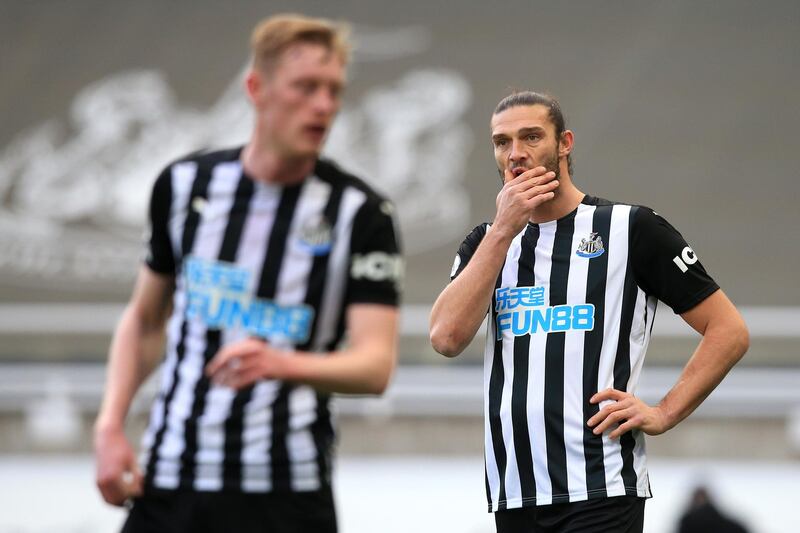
(137, 482)
(113, 491)
(238, 373)
(606, 411)
(612, 418)
(622, 429)
(529, 178)
(533, 194)
(608, 394)
(533, 173)
(235, 351)
(540, 194)
(242, 379)
(227, 356)
(525, 181)
(220, 360)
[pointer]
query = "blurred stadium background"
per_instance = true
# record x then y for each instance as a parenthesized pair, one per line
(688, 107)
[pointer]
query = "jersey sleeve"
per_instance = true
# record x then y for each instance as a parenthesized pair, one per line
(160, 257)
(376, 263)
(664, 265)
(467, 249)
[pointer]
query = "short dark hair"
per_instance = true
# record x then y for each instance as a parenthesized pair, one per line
(530, 98)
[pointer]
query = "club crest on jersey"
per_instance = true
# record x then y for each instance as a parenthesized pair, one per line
(591, 247)
(315, 236)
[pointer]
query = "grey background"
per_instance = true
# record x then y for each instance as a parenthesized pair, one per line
(688, 107)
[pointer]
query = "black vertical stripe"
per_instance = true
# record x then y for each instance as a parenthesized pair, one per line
(554, 365)
(279, 452)
(199, 190)
(593, 343)
(519, 387)
(488, 488)
(496, 380)
(321, 429)
(268, 285)
(622, 369)
(317, 277)
(266, 289)
(230, 244)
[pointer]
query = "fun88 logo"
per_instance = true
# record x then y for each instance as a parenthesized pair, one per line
(521, 310)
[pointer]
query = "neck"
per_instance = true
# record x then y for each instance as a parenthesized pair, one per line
(566, 200)
(262, 162)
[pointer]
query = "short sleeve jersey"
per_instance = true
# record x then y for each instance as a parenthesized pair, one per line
(251, 259)
(572, 314)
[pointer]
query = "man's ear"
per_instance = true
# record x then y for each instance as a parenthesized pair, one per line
(253, 82)
(565, 143)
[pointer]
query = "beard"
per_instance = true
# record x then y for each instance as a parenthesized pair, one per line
(551, 164)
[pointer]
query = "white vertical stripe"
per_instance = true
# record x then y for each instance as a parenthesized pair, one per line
(492, 470)
(297, 262)
(640, 333)
(536, 369)
(208, 239)
(182, 178)
(617, 250)
(640, 465)
(512, 482)
(300, 441)
(257, 437)
(291, 290)
(257, 416)
(639, 338)
(573, 362)
(338, 265)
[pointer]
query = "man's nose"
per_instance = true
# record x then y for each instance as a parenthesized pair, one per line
(325, 102)
(517, 153)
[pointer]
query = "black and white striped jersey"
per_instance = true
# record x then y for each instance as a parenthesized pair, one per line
(255, 259)
(571, 315)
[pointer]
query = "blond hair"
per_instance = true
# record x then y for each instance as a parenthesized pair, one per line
(272, 36)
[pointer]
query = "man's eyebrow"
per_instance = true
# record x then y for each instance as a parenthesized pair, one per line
(530, 129)
(520, 132)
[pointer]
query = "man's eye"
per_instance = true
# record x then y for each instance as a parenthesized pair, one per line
(306, 87)
(532, 137)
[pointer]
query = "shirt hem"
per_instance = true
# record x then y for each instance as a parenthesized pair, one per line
(695, 299)
(596, 494)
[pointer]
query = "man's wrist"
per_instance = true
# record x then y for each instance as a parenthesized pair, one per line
(501, 235)
(668, 418)
(287, 366)
(105, 425)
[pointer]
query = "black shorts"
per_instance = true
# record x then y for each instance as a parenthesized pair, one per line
(166, 511)
(620, 514)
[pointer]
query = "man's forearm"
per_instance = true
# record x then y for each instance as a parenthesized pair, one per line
(365, 370)
(461, 307)
(134, 353)
(718, 351)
